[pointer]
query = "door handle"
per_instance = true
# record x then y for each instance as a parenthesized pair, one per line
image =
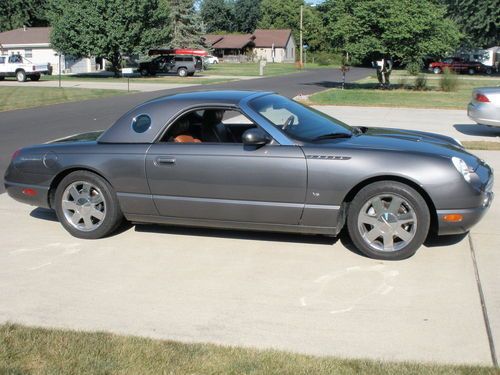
(164, 161)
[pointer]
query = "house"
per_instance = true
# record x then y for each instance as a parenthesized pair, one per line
(33, 43)
(272, 45)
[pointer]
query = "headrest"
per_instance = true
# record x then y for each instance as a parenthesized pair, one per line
(213, 116)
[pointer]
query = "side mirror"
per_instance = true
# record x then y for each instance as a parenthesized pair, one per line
(255, 137)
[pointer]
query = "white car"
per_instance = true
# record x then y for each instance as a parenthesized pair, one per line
(484, 107)
(21, 68)
(211, 59)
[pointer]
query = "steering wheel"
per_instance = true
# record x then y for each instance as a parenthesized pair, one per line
(288, 122)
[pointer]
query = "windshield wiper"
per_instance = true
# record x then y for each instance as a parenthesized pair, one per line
(332, 136)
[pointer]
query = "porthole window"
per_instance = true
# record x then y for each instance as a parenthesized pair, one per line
(141, 123)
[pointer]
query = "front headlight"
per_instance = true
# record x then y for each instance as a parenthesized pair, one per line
(462, 167)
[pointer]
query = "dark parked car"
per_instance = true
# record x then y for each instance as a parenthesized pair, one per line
(258, 161)
(182, 65)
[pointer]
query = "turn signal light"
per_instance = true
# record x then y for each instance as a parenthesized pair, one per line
(453, 218)
(482, 98)
(29, 192)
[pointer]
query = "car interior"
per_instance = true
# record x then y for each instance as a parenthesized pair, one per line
(211, 125)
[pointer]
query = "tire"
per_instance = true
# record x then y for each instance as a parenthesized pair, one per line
(81, 195)
(489, 71)
(182, 72)
(21, 76)
(471, 71)
(436, 70)
(35, 77)
(2, 78)
(144, 72)
(371, 213)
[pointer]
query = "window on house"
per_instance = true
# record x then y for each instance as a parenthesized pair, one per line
(28, 52)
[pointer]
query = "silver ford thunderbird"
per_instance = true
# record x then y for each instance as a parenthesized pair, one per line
(256, 161)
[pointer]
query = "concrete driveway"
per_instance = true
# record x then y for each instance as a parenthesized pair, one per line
(305, 294)
(453, 123)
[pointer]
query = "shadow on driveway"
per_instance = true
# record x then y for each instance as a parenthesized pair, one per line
(479, 130)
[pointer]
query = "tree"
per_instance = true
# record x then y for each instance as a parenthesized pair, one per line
(407, 29)
(478, 20)
(285, 14)
(108, 28)
(218, 15)
(19, 13)
(186, 25)
(247, 15)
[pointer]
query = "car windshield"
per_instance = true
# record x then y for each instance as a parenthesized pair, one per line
(298, 121)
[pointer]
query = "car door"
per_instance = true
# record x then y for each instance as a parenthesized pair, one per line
(228, 181)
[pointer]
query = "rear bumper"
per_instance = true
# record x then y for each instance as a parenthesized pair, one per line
(471, 216)
(483, 113)
(18, 191)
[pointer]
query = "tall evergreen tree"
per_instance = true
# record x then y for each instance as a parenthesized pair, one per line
(218, 15)
(108, 28)
(246, 15)
(18, 13)
(478, 20)
(186, 25)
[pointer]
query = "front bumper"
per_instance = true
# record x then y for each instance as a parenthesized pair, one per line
(470, 217)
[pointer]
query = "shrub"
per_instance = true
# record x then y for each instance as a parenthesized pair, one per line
(421, 82)
(414, 68)
(403, 82)
(448, 81)
(327, 58)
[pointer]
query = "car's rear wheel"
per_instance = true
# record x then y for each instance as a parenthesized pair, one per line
(21, 75)
(436, 70)
(388, 220)
(144, 72)
(471, 71)
(182, 72)
(86, 205)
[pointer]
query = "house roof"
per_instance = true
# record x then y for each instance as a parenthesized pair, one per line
(28, 35)
(267, 37)
(234, 41)
(261, 38)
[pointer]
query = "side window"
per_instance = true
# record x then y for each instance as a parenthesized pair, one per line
(210, 125)
(2, 60)
(28, 53)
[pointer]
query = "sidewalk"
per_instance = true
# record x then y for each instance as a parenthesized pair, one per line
(88, 84)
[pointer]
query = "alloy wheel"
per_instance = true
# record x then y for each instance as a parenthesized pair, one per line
(387, 222)
(84, 206)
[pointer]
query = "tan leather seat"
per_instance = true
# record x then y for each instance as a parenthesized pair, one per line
(183, 138)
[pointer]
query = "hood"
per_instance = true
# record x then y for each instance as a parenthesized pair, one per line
(410, 141)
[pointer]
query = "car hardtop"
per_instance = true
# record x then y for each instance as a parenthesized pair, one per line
(159, 111)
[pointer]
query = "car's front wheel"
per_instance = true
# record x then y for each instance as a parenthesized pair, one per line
(21, 76)
(87, 206)
(388, 220)
(436, 70)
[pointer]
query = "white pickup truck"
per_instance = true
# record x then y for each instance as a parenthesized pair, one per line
(21, 68)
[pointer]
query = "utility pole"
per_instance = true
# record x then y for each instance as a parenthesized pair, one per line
(301, 43)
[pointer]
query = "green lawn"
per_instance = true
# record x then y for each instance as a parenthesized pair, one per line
(252, 69)
(25, 350)
(26, 97)
(366, 93)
